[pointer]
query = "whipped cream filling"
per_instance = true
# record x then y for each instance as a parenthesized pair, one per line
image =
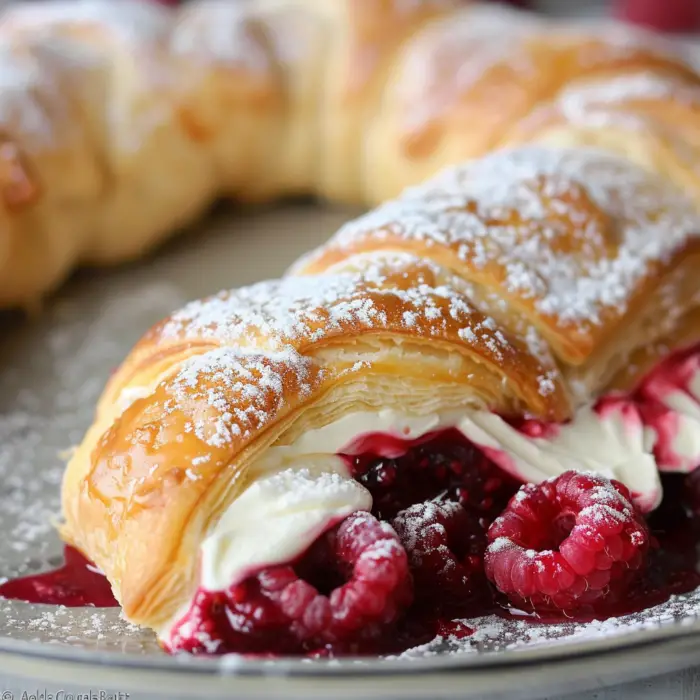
(278, 516)
(300, 490)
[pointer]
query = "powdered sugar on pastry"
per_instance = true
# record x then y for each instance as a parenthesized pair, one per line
(602, 110)
(454, 54)
(577, 98)
(133, 21)
(21, 78)
(245, 389)
(305, 310)
(227, 33)
(526, 213)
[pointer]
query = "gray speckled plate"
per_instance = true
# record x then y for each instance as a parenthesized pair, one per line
(53, 370)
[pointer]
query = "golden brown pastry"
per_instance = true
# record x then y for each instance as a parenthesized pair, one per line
(121, 122)
(502, 299)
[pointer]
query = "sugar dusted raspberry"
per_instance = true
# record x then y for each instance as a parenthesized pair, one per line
(364, 571)
(568, 543)
(445, 545)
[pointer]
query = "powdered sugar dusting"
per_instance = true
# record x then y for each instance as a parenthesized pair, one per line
(573, 230)
(246, 390)
(223, 32)
(626, 102)
(580, 99)
(21, 80)
(411, 523)
(603, 504)
(105, 630)
(49, 397)
(133, 20)
(300, 311)
(496, 635)
(454, 53)
(294, 488)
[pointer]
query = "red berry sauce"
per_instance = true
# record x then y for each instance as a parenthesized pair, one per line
(75, 584)
(444, 464)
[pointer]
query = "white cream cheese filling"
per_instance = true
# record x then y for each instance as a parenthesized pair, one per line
(278, 516)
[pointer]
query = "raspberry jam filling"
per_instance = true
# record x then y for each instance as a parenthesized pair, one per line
(444, 464)
(469, 541)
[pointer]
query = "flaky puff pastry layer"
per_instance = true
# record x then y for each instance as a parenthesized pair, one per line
(580, 244)
(503, 285)
(121, 121)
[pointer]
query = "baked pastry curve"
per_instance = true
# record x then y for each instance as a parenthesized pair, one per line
(536, 309)
(106, 105)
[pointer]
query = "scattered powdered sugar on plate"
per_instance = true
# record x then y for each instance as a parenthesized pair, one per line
(52, 373)
(493, 634)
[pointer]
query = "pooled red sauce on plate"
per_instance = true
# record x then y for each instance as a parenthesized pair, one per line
(77, 583)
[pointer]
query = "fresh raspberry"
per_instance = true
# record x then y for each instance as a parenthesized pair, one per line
(447, 466)
(350, 586)
(366, 554)
(445, 546)
(569, 543)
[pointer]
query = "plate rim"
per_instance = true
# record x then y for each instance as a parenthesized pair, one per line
(568, 674)
(234, 665)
